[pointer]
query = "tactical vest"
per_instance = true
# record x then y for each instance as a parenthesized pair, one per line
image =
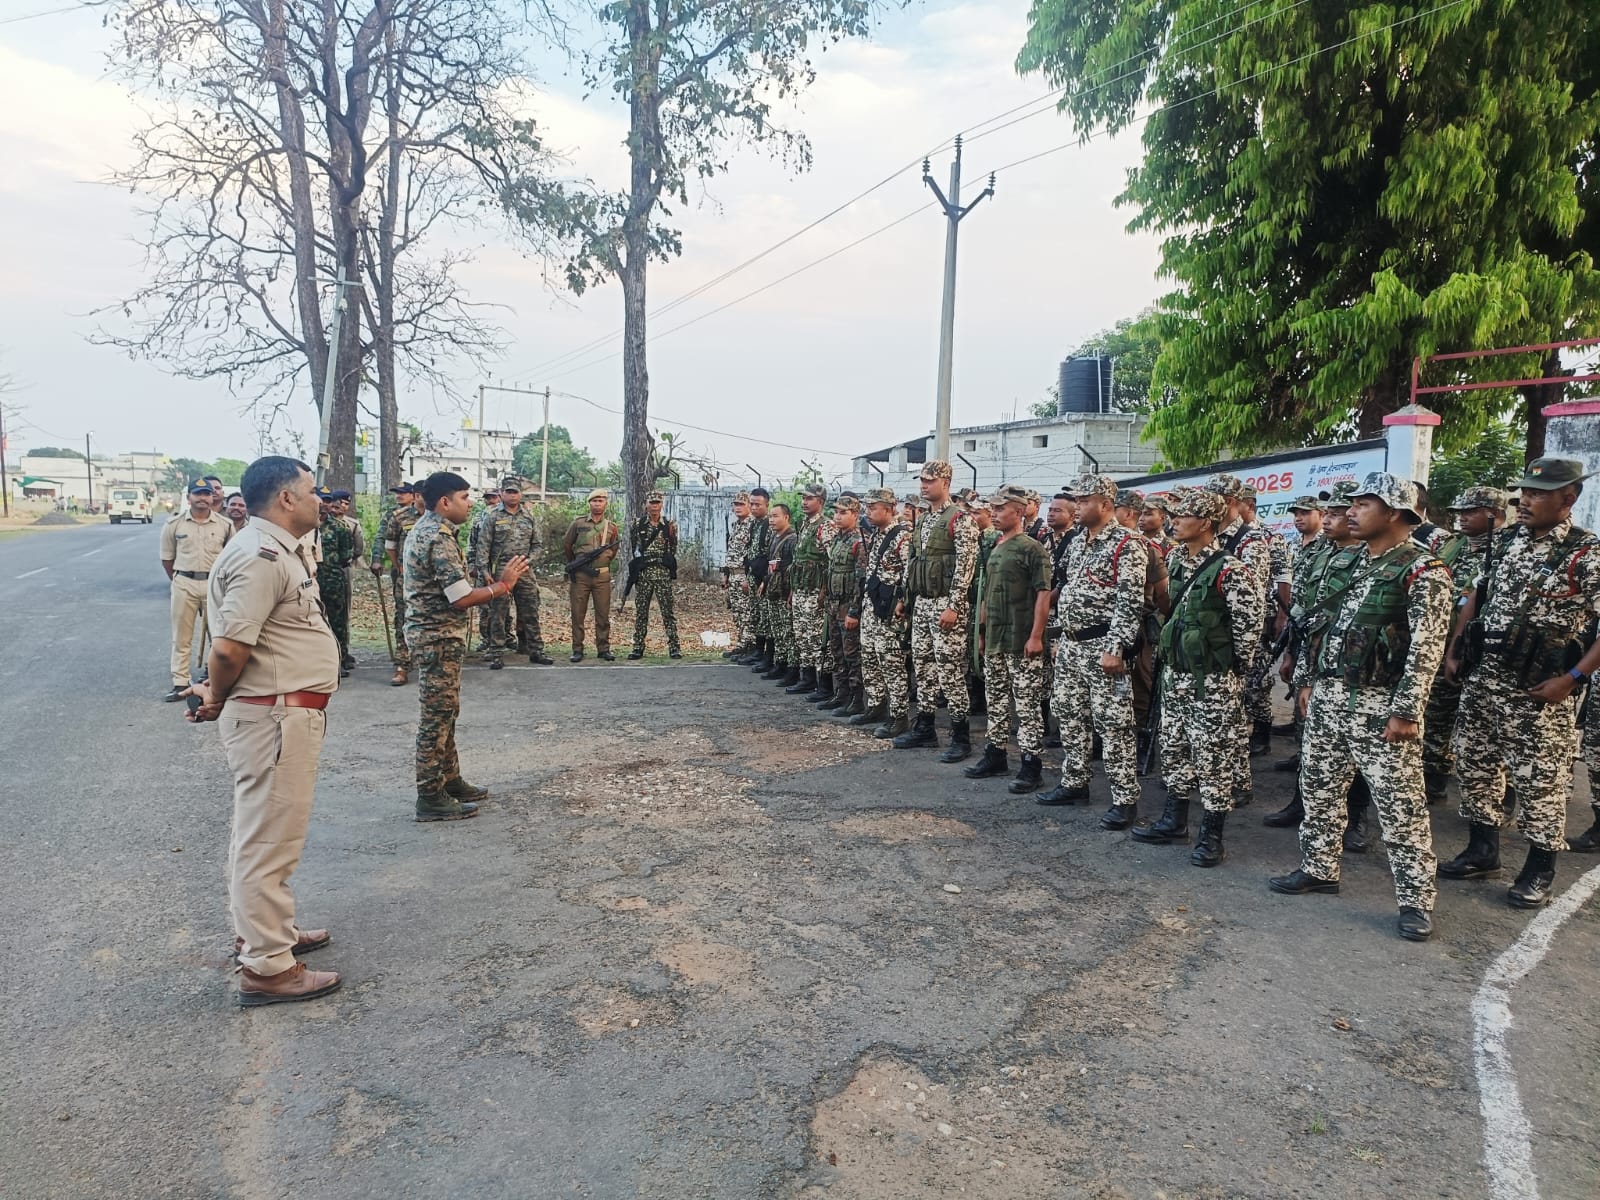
(1378, 637)
(842, 565)
(1334, 573)
(759, 551)
(931, 570)
(810, 569)
(1198, 637)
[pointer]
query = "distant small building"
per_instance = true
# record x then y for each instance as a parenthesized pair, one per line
(483, 458)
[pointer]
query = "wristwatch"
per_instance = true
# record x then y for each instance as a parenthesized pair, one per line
(1577, 675)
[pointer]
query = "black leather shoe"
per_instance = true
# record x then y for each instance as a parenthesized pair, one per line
(1028, 777)
(920, 734)
(1287, 817)
(541, 660)
(961, 742)
(891, 728)
(1171, 826)
(805, 685)
(1480, 859)
(1243, 797)
(870, 715)
(577, 657)
(991, 764)
(174, 695)
(1208, 850)
(1062, 794)
(1415, 925)
(1118, 816)
(1260, 738)
(606, 656)
(1534, 881)
(1298, 883)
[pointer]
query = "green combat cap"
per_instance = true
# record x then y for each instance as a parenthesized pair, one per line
(881, 496)
(847, 503)
(815, 491)
(1223, 484)
(1548, 474)
(1399, 494)
(1481, 497)
(1338, 496)
(1085, 486)
(1197, 502)
(1246, 492)
(1163, 502)
(1129, 498)
(1305, 504)
(1008, 493)
(935, 468)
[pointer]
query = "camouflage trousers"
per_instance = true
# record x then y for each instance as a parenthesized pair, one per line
(1439, 726)
(780, 624)
(439, 692)
(1591, 751)
(1198, 718)
(843, 659)
(334, 584)
(883, 662)
(739, 605)
(810, 627)
(655, 585)
(397, 615)
(525, 599)
(1258, 698)
(1087, 701)
(939, 657)
(1343, 734)
(760, 615)
(1501, 730)
(1013, 685)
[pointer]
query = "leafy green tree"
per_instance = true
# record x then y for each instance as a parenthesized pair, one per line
(230, 470)
(54, 452)
(181, 472)
(1494, 460)
(1341, 187)
(570, 466)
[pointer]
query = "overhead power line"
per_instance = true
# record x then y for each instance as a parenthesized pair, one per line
(738, 437)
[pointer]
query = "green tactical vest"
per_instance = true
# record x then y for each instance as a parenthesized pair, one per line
(842, 565)
(810, 568)
(1198, 637)
(931, 571)
(1336, 570)
(1378, 638)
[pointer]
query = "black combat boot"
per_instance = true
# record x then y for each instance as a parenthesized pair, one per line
(1436, 787)
(1481, 857)
(1029, 775)
(804, 683)
(1415, 925)
(857, 705)
(1298, 883)
(1171, 826)
(980, 700)
(921, 733)
(459, 789)
(1357, 803)
(840, 696)
(776, 669)
(991, 764)
(1534, 881)
(1290, 815)
(1063, 794)
(960, 741)
(1292, 763)
(762, 662)
(873, 715)
(1587, 843)
(1260, 738)
(823, 691)
(1208, 850)
(891, 728)
(1119, 816)
(1243, 795)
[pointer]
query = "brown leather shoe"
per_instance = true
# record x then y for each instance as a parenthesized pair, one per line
(398, 679)
(299, 982)
(310, 939)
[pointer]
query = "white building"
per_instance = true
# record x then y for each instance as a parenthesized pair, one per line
(1041, 453)
(75, 482)
(482, 459)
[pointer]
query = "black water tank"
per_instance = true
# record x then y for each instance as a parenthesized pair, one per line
(1085, 386)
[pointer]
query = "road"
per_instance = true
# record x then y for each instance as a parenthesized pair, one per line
(703, 944)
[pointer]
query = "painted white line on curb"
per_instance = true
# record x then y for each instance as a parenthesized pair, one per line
(35, 571)
(1507, 1139)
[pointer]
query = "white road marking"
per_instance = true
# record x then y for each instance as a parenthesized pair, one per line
(96, 550)
(35, 571)
(1507, 1137)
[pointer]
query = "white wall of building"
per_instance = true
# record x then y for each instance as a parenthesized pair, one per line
(482, 459)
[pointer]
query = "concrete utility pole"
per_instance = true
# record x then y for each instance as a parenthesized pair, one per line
(5, 486)
(544, 460)
(323, 456)
(953, 212)
(88, 470)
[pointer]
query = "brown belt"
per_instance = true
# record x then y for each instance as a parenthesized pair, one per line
(289, 699)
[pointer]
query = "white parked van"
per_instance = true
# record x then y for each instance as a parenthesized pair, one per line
(128, 504)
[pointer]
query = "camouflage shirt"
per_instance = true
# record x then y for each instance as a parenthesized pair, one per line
(964, 532)
(436, 576)
(1563, 595)
(1308, 564)
(1103, 584)
(1235, 584)
(738, 544)
(393, 527)
(337, 544)
(503, 535)
(887, 552)
(1248, 543)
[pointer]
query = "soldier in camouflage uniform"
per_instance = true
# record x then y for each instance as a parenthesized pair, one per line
(1249, 545)
(1012, 613)
(509, 530)
(978, 509)
(491, 500)
(775, 592)
(655, 550)
(1364, 677)
(1588, 842)
(736, 581)
(1258, 683)
(338, 551)
(1541, 592)
(1142, 670)
(882, 627)
(393, 527)
(1307, 564)
(1479, 511)
(438, 595)
(944, 554)
(1097, 611)
(1210, 633)
(846, 572)
(756, 557)
(809, 588)
(1153, 524)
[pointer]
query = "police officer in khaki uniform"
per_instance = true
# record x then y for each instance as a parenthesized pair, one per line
(590, 539)
(274, 664)
(190, 543)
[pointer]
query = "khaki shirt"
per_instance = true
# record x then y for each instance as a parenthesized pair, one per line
(359, 537)
(263, 593)
(584, 535)
(191, 545)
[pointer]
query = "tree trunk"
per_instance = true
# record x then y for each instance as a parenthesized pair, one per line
(1534, 400)
(381, 277)
(1381, 399)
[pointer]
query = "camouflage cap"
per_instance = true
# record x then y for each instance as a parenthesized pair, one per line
(1481, 497)
(741, 497)
(1305, 504)
(1399, 494)
(881, 496)
(814, 491)
(935, 468)
(918, 502)
(1034, 497)
(654, 498)
(1337, 496)
(1246, 492)
(1197, 502)
(513, 483)
(967, 495)
(1085, 486)
(1162, 501)
(1008, 493)
(847, 503)
(1131, 498)
(1548, 474)
(1223, 484)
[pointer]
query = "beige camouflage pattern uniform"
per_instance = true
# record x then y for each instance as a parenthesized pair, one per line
(883, 671)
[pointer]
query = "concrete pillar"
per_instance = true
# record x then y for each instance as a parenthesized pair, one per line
(1574, 432)
(1409, 432)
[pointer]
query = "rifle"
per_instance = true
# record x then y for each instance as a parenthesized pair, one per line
(633, 577)
(588, 556)
(1288, 640)
(1152, 724)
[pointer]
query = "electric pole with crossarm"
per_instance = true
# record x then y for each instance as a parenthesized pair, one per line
(953, 212)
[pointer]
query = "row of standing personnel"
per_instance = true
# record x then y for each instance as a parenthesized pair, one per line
(1412, 651)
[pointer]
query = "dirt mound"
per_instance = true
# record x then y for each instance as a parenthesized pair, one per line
(55, 518)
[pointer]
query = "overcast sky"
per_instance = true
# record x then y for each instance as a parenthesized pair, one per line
(841, 359)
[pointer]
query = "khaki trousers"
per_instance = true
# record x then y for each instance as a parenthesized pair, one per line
(273, 754)
(585, 589)
(188, 605)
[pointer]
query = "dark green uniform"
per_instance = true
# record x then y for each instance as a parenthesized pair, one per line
(333, 576)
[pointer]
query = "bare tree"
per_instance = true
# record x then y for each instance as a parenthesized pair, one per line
(296, 140)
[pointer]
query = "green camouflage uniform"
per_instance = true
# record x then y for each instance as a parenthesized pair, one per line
(846, 572)
(499, 536)
(1017, 570)
(944, 553)
(883, 638)
(393, 528)
(757, 555)
(739, 597)
(1464, 557)
(333, 576)
(808, 591)
(654, 581)
(435, 574)
(1249, 544)
(987, 540)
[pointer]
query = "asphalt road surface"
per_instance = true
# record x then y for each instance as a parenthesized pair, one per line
(703, 943)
